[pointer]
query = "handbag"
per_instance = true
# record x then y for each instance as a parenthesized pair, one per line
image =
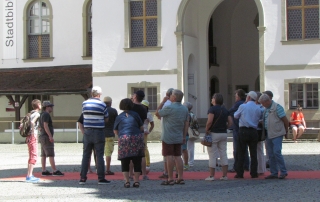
(193, 134)
(207, 139)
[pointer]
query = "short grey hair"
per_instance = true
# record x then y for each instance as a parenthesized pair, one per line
(188, 105)
(264, 98)
(178, 94)
(169, 91)
(96, 90)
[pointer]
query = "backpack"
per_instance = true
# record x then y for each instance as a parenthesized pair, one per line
(25, 125)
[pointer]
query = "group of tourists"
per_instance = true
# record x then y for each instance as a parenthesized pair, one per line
(256, 120)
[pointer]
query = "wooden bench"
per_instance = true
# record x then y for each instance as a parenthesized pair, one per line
(312, 128)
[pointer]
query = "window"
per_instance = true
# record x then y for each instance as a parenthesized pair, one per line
(142, 25)
(39, 28)
(304, 94)
(89, 21)
(150, 95)
(302, 19)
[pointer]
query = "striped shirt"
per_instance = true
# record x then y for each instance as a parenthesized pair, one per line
(94, 112)
(280, 112)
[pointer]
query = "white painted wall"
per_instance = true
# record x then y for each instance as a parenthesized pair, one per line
(67, 105)
(275, 52)
(275, 81)
(108, 39)
(67, 35)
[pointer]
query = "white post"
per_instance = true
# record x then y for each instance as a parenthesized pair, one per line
(12, 131)
(77, 132)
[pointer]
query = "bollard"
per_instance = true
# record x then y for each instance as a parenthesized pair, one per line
(77, 126)
(12, 127)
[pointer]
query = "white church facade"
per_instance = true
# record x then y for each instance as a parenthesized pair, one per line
(199, 46)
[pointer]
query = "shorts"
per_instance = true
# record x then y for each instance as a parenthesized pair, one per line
(109, 146)
(47, 147)
(171, 149)
(296, 125)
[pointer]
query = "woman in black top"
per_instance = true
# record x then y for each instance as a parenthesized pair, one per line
(219, 120)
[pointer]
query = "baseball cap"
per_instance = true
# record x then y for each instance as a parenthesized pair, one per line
(107, 99)
(253, 95)
(47, 103)
(145, 103)
(140, 93)
(269, 93)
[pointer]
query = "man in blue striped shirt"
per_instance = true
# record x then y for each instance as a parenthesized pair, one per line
(95, 115)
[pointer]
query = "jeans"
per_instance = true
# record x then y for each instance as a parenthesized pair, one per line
(247, 137)
(93, 138)
(235, 143)
(276, 161)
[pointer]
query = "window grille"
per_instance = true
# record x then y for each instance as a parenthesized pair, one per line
(306, 95)
(144, 23)
(39, 30)
(302, 19)
(89, 42)
(150, 95)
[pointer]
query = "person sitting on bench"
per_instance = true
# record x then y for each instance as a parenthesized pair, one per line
(297, 123)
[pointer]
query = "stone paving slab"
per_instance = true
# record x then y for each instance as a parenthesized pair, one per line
(299, 157)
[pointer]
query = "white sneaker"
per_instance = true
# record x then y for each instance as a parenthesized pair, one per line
(224, 178)
(209, 178)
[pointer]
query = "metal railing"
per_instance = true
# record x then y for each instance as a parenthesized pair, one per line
(58, 127)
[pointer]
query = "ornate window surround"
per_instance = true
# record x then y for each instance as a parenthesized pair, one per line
(25, 33)
(85, 29)
(127, 30)
(144, 84)
(284, 39)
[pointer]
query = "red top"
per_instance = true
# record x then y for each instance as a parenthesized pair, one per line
(296, 117)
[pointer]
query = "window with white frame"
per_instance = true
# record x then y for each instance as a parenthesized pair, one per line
(89, 21)
(39, 30)
(305, 95)
(302, 19)
(144, 23)
(150, 96)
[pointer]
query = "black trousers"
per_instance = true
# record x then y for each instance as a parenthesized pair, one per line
(247, 137)
(136, 160)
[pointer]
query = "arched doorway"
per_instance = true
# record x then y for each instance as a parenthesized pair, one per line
(239, 52)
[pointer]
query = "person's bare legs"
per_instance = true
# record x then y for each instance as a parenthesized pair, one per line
(126, 176)
(30, 170)
(301, 130)
(136, 176)
(225, 170)
(108, 161)
(179, 166)
(52, 163)
(43, 163)
(170, 165)
(294, 133)
(185, 157)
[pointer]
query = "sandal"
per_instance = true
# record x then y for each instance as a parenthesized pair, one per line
(181, 181)
(127, 185)
(170, 182)
(136, 184)
(163, 176)
(108, 172)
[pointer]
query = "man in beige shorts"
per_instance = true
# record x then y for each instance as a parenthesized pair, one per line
(109, 134)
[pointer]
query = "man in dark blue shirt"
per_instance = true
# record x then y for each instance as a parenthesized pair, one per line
(240, 97)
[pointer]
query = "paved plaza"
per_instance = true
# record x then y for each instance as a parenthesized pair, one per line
(301, 158)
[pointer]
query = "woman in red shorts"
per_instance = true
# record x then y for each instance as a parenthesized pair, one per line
(297, 123)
